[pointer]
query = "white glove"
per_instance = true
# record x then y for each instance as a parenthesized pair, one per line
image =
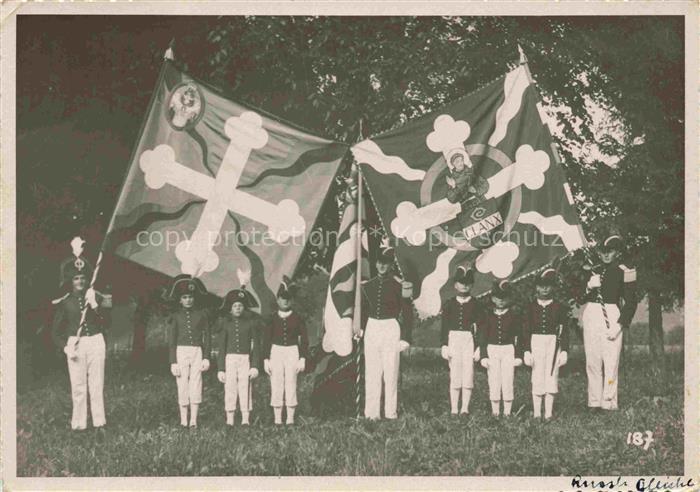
(613, 333)
(517, 362)
(527, 358)
(205, 365)
(562, 359)
(403, 345)
(594, 281)
(175, 370)
(301, 364)
(485, 362)
(71, 348)
(266, 366)
(252, 373)
(444, 352)
(221, 376)
(477, 354)
(90, 298)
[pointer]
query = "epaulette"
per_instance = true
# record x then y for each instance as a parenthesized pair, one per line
(60, 299)
(629, 274)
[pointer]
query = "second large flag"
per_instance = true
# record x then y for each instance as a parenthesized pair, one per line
(475, 182)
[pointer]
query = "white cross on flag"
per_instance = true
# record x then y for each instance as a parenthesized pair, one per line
(215, 187)
(477, 182)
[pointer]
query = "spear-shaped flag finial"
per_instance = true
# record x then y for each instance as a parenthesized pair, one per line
(523, 58)
(169, 53)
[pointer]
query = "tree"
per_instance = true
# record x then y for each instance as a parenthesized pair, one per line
(327, 74)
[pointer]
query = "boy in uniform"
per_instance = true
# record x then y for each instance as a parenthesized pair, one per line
(384, 299)
(189, 344)
(239, 351)
(499, 331)
(545, 341)
(285, 348)
(603, 324)
(459, 317)
(84, 347)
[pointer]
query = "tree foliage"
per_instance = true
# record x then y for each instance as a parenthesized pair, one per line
(615, 85)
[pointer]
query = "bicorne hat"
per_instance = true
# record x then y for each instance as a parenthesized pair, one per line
(501, 289)
(241, 295)
(547, 277)
(464, 275)
(613, 242)
(186, 284)
(286, 289)
(76, 264)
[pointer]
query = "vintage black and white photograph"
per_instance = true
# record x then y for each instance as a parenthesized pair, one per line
(352, 245)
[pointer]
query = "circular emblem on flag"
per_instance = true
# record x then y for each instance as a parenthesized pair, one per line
(185, 107)
(481, 223)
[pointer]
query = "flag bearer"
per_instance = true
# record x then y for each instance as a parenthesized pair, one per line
(384, 299)
(545, 341)
(285, 348)
(189, 345)
(239, 342)
(499, 333)
(459, 317)
(84, 349)
(604, 323)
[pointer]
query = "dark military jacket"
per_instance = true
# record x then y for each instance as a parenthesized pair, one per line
(189, 328)
(66, 319)
(239, 335)
(617, 286)
(286, 332)
(458, 316)
(505, 329)
(546, 320)
(382, 299)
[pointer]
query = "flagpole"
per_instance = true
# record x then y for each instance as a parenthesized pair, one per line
(167, 56)
(358, 293)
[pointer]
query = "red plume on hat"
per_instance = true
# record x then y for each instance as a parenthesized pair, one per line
(76, 264)
(241, 294)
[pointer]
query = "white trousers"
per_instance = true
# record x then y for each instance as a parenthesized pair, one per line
(283, 377)
(382, 358)
(602, 355)
(500, 372)
(189, 382)
(460, 346)
(543, 380)
(87, 376)
(237, 382)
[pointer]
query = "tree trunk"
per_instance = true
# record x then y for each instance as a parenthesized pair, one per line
(656, 329)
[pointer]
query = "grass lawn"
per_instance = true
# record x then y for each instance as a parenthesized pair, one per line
(143, 438)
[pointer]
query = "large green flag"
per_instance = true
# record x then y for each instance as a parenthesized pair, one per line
(477, 182)
(220, 191)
